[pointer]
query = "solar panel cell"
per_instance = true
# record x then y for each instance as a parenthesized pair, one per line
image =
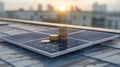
(55, 46)
(91, 35)
(76, 41)
(26, 37)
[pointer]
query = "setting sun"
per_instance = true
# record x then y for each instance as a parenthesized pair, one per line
(62, 8)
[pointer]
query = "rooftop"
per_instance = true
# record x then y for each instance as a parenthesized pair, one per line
(105, 54)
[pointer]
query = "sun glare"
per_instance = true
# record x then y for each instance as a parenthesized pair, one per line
(62, 8)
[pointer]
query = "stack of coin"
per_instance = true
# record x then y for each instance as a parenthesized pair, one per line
(45, 41)
(63, 33)
(54, 37)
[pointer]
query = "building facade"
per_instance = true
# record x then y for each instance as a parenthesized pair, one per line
(39, 8)
(99, 8)
(112, 21)
(2, 10)
(24, 15)
(98, 19)
(2, 7)
(106, 20)
(82, 18)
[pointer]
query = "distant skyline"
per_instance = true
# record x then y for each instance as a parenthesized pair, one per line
(113, 5)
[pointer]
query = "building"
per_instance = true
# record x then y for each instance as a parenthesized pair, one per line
(98, 19)
(106, 54)
(50, 7)
(82, 18)
(10, 14)
(48, 16)
(2, 10)
(99, 8)
(31, 9)
(24, 15)
(39, 8)
(106, 20)
(112, 21)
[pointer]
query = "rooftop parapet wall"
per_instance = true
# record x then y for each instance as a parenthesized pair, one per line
(55, 24)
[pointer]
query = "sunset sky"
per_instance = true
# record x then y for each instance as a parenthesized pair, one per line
(83, 4)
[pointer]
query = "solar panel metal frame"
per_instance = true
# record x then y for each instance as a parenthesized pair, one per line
(52, 55)
(101, 40)
(105, 39)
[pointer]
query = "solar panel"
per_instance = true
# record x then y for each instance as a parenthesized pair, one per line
(15, 32)
(55, 46)
(94, 36)
(25, 37)
(76, 41)
(31, 27)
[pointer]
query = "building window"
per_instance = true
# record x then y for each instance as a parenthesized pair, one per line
(74, 17)
(110, 23)
(116, 24)
(84, 17)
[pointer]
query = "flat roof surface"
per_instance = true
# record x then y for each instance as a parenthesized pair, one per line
(96, 56)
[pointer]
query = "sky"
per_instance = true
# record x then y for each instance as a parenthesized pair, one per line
(113, 5)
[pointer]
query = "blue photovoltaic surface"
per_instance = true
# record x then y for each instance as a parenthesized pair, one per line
(77, 40)
(91, 35)
(55, 31)
(55, 46)
(26, 37)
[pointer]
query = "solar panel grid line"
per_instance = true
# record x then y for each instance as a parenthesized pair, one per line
(56, 31)
(91, 36)
(77, 32)
(54, 45)
(36, 50)
(24, 29)
(40, 32)
(26, 37)
(43, 33)
(9, 32)
(47, 29)
(37, 30)
(103, 36)
(53, 54)
(15, 32)
(80, 39)
(35, 40)
(18, 28)
(27, 29)
(106, 39)
(71, 50)
(87, 38)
